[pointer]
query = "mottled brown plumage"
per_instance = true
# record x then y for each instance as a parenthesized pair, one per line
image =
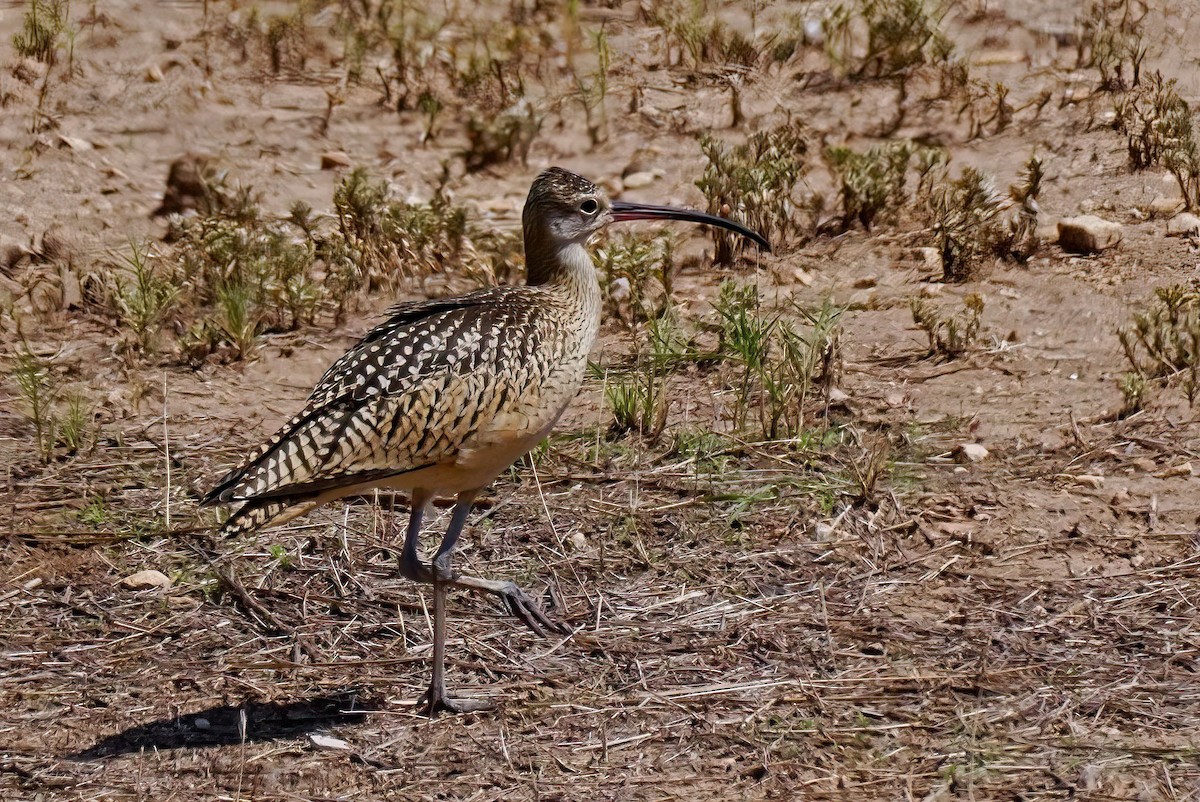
(445, 394)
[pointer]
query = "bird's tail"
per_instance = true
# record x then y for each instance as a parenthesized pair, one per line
(255, 515)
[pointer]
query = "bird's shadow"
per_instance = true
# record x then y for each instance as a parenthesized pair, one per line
(234, 724)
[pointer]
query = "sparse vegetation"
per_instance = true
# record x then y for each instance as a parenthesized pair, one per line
(43, 29)
(691, 28)
(966, 224)
(1158, 129)
(755, 183)
(873, 39)
(872, 183)
(950, 334)
(1162, 343)
(776, 592)
(1110, 41)
(780, 366)
(57, 415)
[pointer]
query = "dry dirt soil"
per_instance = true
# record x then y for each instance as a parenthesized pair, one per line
(1024, 626)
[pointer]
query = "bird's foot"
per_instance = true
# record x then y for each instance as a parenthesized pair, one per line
(526, 608)
(436, 701)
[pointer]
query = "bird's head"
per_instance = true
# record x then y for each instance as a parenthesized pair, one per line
(564, 208)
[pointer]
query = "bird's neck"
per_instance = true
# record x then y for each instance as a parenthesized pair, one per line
(566, 269)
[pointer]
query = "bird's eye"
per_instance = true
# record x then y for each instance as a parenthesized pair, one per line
(589, 206)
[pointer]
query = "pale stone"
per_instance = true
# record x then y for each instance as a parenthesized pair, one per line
(74, 143)
(332, 159)
(154, 74)
(931, 259)
(329, 743)
(639, 180)
(1089, 480)
(971, 452)
(145, 580)
(1185, 224)
(1088, 234)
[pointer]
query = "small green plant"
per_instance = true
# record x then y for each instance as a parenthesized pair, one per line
(593, 92)
(950, 336)
(143, 298)
(638, 401)
(95, 513)
(1110, 41)
(59, 417)
(38, 391)
(872, 184)
(873, 39)
(42, 30)
(966, 226)
(1164, 341)
(754, 183)
(1133, 388)
(1158, 129)
(779, 363)
(287, 41)
(638, 275)
(1022, 226)
(75, 429)
(500, 137)
(693, 30)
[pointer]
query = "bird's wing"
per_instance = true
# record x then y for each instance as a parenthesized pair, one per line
(406, 396)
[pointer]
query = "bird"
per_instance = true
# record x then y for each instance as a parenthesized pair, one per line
(443, 395)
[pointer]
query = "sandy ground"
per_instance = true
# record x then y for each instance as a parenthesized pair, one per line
(1022, 627)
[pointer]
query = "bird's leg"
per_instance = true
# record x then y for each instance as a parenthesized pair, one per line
(443, 577)
(518, 602)
(411, 566)
(458, 521)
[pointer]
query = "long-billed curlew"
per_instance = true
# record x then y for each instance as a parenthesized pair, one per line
(444, 395)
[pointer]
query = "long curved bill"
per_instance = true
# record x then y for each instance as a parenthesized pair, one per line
(623, 210)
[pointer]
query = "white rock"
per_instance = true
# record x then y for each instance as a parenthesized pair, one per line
(74, 143)
(144, 580)
(838, 397)
(971, 452)
(327, 742)
(619, 289)
(1088, 234)
(639, 180)
(1184, 224)
(814, 31)
(332, 159)
(931, 259)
